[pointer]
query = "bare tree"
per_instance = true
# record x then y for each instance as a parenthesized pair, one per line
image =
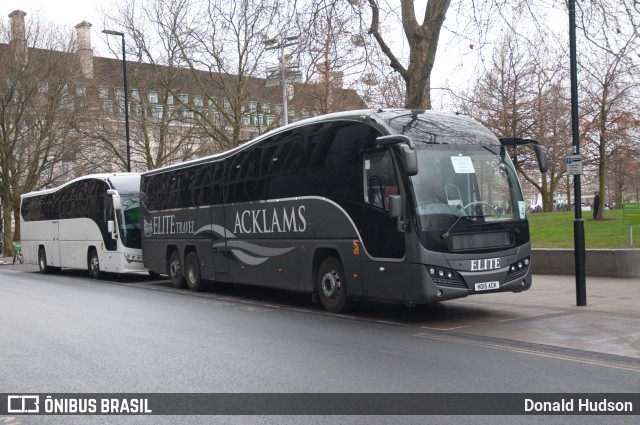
(609, 99)
(161, 93)
(522, 95)
(38, 108)
(423, 43)
(333, 53)
(223, 46)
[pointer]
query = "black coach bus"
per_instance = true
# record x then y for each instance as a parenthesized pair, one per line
(406, 205)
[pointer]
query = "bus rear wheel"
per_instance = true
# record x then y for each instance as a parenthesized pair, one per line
(42, 262)
(175, 270)
(94, 264)
(192, 272)
(331, 286)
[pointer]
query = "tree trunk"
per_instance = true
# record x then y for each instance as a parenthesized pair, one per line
(423, 45)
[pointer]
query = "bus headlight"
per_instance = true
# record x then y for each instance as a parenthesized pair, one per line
(132, 258)
(447, 277)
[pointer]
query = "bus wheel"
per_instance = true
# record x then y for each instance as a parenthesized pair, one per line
(192, 272)
(331, 286)
(42, 262)
(94, 264)
(175, 270)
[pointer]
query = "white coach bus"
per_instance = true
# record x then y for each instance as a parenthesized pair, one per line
(91, 222)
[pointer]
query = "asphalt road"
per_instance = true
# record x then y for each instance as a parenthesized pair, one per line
(67, 333)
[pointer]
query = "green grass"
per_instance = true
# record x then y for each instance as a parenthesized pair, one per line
(555, 230)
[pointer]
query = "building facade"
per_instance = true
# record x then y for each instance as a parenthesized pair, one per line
(174, 114)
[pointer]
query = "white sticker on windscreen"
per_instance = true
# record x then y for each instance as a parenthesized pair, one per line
(462, 164)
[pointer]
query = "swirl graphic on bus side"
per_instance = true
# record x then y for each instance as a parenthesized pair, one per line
(245, 252)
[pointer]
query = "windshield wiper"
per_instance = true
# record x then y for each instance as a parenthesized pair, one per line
(446, 234)
(508, 226)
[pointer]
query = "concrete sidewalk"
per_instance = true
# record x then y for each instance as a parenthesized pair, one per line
(547, 314)
(604, 294)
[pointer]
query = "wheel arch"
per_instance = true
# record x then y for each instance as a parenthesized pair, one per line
(167, 255)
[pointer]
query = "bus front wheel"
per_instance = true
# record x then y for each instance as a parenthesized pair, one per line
(192, 272)
(42, 262)
(175, 270)
(331, 286)
(94, 264)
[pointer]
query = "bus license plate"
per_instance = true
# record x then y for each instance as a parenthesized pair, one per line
(486, 286)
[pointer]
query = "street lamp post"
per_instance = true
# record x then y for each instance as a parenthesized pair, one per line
(285, 72)
(126, 95)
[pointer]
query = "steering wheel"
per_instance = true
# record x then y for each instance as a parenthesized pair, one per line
(481, 203)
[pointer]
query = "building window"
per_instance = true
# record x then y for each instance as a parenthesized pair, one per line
(107, 106)
(253, 106)
(184, 98)
(103, 92)
(119, 93)
(197, 101)
(43, 86)
(169, 99)
(226, 104)
(268, 119)
(156, 111)
(135, 94)
(81, 90)
(153, 96)
(278, 108)
(266, 108)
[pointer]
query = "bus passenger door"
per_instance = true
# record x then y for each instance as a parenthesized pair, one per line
(51, 242)
(384, 244)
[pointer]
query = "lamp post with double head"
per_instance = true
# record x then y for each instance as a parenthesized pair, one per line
(286, 73)
(126, 95)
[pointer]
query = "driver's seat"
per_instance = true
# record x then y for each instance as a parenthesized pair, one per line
(452, 193)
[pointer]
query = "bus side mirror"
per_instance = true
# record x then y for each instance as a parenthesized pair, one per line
(395, 206)
(407, 151)
(409, 160)
(116, 199)
(111, 228)
(541, 154)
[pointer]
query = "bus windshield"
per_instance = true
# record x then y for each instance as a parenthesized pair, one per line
(129, 220)
(128, 186)
(467, 197)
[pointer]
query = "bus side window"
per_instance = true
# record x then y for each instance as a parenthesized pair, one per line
(379, 178)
